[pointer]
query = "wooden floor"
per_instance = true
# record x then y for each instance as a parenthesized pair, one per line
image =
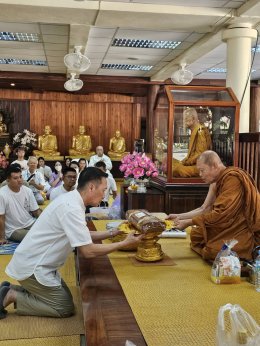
(108, 317)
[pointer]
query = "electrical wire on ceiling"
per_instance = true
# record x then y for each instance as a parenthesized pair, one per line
(251, 67)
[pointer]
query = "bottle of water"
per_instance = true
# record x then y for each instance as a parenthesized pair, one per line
(257, 272)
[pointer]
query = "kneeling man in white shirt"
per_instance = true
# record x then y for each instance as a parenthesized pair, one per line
(60, 228)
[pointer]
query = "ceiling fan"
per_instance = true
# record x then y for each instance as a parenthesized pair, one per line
(77, 62)
(73, 84)
(182, 76)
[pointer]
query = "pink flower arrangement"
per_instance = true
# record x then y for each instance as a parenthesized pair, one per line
(138, 166)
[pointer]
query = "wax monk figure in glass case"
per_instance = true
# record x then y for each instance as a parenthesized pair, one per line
(200, 141)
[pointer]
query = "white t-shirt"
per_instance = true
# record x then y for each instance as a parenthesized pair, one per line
(22, 163)
(16, 207)
(95, 158)
(38, 178)
(57, 192)
(111, 186)
(60, 228)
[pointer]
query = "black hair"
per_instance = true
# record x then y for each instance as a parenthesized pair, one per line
(13, 169)
(41, 158)
(16, 164)
(76, 162)
(90, 174)
(82, 159)
(101, 164)
(65, 170)
(20, 148)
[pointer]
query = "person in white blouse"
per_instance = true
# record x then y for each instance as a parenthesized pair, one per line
(100, 156)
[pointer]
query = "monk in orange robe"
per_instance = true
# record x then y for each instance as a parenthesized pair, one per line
(230, 211)
(200, 141)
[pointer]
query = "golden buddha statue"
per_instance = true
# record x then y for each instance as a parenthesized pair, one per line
(81, 144)
(47, 145)
(3, 127)
(117, 146)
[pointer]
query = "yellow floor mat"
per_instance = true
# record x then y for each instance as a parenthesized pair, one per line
(178, 305)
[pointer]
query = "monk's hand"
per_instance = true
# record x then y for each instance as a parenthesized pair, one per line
(3, 241)
(132, 239)
(182, 224)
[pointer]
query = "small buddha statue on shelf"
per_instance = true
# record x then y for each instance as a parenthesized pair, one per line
(160, 146)
(117, 146)
(7, 150)
(47, 144)
(3, 127)
(81, 144)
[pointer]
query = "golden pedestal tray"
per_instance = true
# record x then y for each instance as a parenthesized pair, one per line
(149, 250)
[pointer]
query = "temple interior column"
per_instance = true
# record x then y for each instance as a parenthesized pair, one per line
(239, 40)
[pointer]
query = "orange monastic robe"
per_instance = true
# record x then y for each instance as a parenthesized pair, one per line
(200, 141)
(235, 215)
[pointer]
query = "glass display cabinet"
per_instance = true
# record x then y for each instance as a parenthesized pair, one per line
(189, 120)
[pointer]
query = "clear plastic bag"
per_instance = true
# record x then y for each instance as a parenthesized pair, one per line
(236, 327)
(226, 268)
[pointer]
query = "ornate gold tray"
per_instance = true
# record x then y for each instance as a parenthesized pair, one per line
(126, 228)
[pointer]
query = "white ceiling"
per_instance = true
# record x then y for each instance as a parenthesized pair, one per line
(94, 24)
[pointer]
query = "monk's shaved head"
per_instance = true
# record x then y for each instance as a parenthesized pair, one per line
(209, 158)
(191, 113)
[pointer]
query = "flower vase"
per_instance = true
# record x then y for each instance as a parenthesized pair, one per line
(141, 187)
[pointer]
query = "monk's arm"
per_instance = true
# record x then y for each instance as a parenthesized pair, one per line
(205, 207)
(226, 205)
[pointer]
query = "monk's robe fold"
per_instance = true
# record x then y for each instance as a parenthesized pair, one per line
(200, 141)
(235, 215)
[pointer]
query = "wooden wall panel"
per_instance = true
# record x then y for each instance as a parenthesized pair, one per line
(119, 117)
(100, 119)
(63, 96)
(20, 110)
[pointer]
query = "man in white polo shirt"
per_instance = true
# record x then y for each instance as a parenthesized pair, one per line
(60, 228)
(69, 177)
(18, 207)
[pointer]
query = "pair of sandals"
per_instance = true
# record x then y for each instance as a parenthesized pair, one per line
(4, 288)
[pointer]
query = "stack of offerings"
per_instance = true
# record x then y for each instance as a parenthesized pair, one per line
(226, 268)
(151, 227)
